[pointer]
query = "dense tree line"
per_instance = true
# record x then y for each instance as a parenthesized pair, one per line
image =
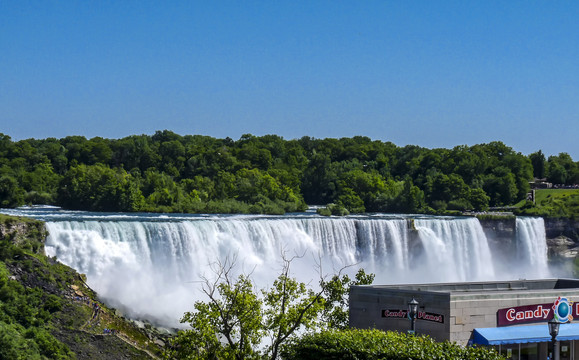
(167, 172)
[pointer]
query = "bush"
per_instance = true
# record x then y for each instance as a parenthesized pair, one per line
(460, 204)
(333, 209)
(361, 344)
(439, 205)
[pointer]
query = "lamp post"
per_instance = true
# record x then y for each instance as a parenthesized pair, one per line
(554, 331)
(412, 312)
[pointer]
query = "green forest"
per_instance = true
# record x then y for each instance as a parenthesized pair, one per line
(168, 172)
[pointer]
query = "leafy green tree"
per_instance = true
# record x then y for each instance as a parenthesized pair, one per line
(337, 298)
(135, 152)
(172, 157)
(97, 151)
(467, 163)
(99, 188)
(479, 199)
(443, 188)
(410, 199)
(56, 154)
(289, 307)
(521, 167)
(5, 145)
(557, 173)
(228, 326)
(251, 184)
(235, 320)
(501, 186)
(199, 187)
(11, 194)
(562, 170)
(161, 192)
(538, 161)
(319, 182)
(351, 201)
(256, 157)
(408, 162)
(41, 180)
(225, 185)
(355, 186)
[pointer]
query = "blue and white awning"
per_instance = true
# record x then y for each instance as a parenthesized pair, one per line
(523, 334)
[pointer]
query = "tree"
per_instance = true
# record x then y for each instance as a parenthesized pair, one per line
(11, 195)
(99, 188)
(236, 320)
(411, 198)
(557, 173)
(318, 183)
(228, 326)
(161, 192)
(501, 187)
(479, 199)
(562, 169)
(357, 190)
(290, 306)
(538, 162)
(444, 189)
(351, 201)
(521, 167)
(337, 297)
(172, 156)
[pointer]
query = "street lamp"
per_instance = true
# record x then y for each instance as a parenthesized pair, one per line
(412, 312)
(554, 331)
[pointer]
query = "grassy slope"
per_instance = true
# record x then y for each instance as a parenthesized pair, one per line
(545, 194)
(553, 203)
(39, 297)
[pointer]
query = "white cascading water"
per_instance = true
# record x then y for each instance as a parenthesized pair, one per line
(456, 248)
(151, 266)
(532, 247)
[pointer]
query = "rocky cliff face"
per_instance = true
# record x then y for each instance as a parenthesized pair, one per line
(500, 234)
(562, 238)
(562, 227)
(24, 233)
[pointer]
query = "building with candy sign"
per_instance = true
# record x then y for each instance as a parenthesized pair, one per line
(509, 315)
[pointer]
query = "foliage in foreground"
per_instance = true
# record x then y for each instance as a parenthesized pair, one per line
(292, 321)
(375, 344)
(238, 322)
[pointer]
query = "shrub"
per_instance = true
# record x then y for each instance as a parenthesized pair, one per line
(361, 344)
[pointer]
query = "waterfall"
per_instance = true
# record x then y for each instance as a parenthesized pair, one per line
(151, 265)
(456, 248)
(532, 247)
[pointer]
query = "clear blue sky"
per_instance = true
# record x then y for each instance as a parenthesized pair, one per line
(428, 73)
